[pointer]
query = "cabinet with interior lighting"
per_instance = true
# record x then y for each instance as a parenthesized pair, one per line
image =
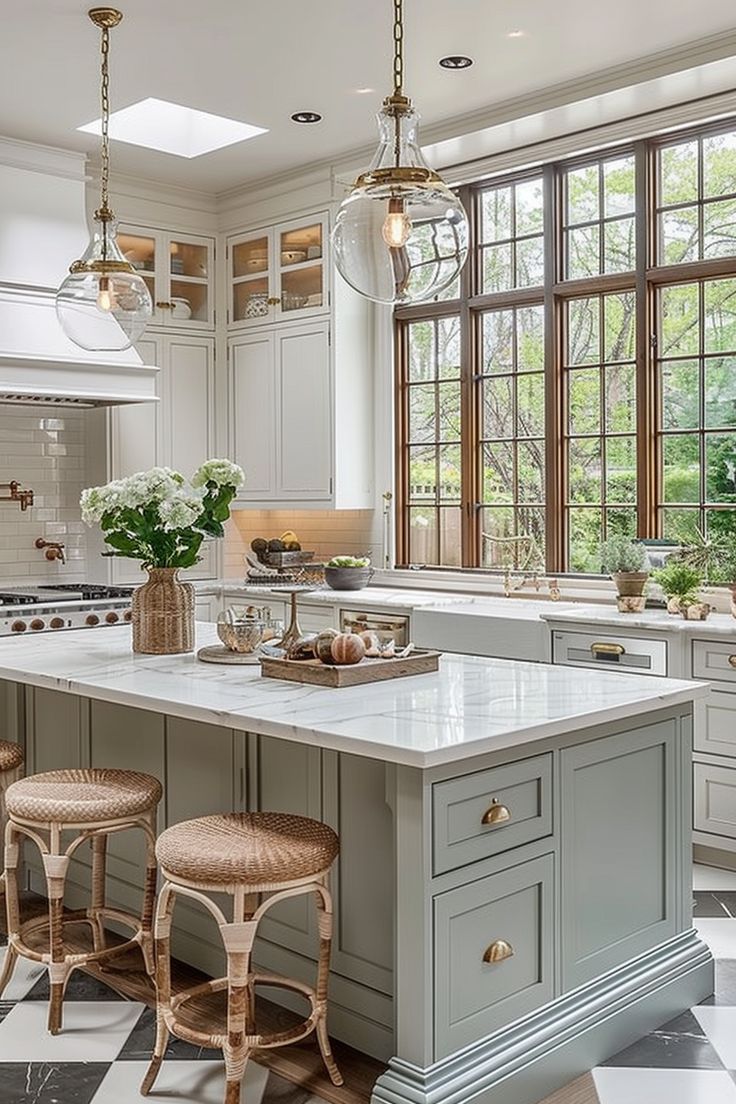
(179, 271)
(278, 273)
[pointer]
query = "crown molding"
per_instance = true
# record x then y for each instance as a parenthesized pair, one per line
(48, 160)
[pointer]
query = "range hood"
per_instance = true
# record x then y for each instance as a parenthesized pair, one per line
(39, 365)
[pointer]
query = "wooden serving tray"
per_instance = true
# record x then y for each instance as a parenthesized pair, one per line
(315, 673)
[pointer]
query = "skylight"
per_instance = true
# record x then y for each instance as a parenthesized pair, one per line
(171, 128)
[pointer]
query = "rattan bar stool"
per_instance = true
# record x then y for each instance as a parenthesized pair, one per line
(11, 763)
(258, 859)
(93, 804)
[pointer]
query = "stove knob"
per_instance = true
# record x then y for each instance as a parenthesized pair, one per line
(111, 617)
(37, 624)
(128, 615)
(57, 622)
(92, 619)
(18, 626)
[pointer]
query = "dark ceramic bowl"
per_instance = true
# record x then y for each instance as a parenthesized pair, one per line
(348, 578)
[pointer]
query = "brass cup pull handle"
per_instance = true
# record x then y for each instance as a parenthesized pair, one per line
(498, 951)
(496, 813)
(608, 649)
(273, 301)
(165, 306)
(732, 660)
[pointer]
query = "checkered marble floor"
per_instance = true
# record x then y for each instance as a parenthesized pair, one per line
(103, 1052)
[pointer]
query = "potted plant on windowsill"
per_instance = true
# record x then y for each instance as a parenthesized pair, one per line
(681, 582)
(625, 561)
(161, 519)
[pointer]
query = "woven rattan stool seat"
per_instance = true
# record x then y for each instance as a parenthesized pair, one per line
(247, 849)
(82, 796)
(11, 756)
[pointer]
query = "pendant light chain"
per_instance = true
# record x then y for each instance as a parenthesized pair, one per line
(105, 100)
(398, 47)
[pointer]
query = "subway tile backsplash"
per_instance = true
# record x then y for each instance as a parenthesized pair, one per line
(45, 451)
(325, 532)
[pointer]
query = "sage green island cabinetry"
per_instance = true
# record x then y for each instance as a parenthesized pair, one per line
(513, 894)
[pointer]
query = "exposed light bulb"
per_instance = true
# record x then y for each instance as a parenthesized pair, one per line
(397, 227)
(105, 295)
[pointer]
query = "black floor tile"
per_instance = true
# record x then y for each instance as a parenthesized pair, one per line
(43, 1083)
(679, 1044)
(139, 1045)
(80, 987)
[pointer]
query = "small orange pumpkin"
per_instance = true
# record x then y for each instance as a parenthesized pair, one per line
(347, 648)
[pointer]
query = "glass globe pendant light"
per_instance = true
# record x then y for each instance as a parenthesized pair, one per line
(104, 304)
(401, 235)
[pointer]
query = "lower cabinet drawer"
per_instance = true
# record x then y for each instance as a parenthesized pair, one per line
(715, 660)
(718, 735)
(492, 953)
(715, 800)
(613, 653)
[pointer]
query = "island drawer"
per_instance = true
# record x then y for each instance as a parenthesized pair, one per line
(715, 660)
(715, 800)
(615, 653)
(492, 952)
(718, 735)
(490, 811)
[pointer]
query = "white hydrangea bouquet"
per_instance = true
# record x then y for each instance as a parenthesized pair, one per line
(160, 518)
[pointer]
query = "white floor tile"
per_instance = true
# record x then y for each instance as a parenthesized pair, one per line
(179, 1083)
(711, 877)
(93, 1031)
(25, 976)
(719, 933)
(657, 1086)
(719, 1024)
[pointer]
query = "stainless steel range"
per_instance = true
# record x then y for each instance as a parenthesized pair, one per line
(57, 606)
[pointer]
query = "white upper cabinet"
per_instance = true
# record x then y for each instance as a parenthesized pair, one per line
(278, 273)
(179, 272)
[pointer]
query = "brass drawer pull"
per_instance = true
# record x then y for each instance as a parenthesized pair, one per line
(608, 649)
(732, 660)
(498, 951)
(273, 301)
(164, 306)
(496, 813)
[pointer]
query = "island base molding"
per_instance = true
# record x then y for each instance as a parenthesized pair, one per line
(525, 1062)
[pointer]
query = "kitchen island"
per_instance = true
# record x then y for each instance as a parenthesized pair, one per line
(513, 895)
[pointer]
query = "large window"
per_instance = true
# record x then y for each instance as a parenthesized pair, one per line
(581, 378)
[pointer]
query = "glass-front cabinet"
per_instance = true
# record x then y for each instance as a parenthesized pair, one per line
(278, 273)
(179, 272)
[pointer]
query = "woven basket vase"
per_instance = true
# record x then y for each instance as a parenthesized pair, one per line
(163, 614)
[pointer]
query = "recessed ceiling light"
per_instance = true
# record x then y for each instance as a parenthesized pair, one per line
(456, 61)
(172, 128)
(516, 34)
(306, 117)
(364, 91)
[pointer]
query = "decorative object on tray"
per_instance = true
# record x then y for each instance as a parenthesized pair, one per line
(159, 518)
(294, 632)
(625, 561)
(316, 673)
(218, 653)
(283, 561)
(348, 572)
(681, 583)
(240, 632)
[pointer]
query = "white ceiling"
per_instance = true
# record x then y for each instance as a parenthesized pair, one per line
(259, 62)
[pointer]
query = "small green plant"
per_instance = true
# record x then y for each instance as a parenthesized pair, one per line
(349, 561)
(680, 580)
(621, 554)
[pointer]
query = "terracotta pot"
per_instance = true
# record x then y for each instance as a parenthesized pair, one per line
(697, 611)
(634, 604)
(673, 605)
(630, 584)
(163, 614)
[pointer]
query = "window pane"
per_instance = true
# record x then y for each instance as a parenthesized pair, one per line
(530, 521)
(720, 392)
(619, 186)
(585, 401)
(582, 195)
(585, 471)
(679, 237)
(529, 207)
(423, 473)
(530, 405)
(620, 246)
(679, 173)
(497, 527)
(720, 467)
(720, 527)
(498, 338)
(583, 331)
(448, 347)
(621, 469)
(530, 467)
(530, 262)
(450, 536)
(720, 316)
(620, 523)
(680, 394)
(497, 271)
(450, 473)
(529, 339)
(421, 351)
(423, 542)
(681, 464)
(422, 413)
(496, 214)
(680, 320)
(448, 402)
(719, 164)
(583, 252)
(719, 228)
(620, 326)
(585, 540)
(498, 473)
(498, 408)
(620, 384)
(681, 525)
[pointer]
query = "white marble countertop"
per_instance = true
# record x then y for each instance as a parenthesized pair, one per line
(368, 598)
(717, 624)
(468, 707)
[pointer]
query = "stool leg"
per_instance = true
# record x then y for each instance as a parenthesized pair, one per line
(324, 918)
(162, 930)
(56, 866)
(238, 939)
(149, 895)
(99, 870)
(12, 908)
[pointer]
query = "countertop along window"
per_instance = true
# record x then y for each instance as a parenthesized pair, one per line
(581, 380)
